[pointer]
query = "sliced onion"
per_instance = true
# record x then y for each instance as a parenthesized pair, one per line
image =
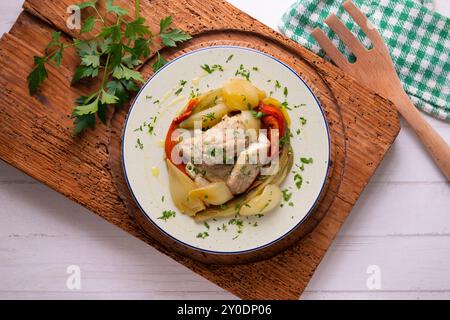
(215, 193)
(240, 94)
(180, 187)
(269, 199)
(208, 100)
(208, 117)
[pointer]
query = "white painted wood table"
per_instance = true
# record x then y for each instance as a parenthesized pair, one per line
(401, 224)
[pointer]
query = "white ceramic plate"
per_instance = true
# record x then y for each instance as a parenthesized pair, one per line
(160, 98)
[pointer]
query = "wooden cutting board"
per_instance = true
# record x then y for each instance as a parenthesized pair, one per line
(35, 133)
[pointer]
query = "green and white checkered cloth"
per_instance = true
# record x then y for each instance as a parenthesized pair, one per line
(417, 37)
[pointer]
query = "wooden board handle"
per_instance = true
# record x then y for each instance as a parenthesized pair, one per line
(435, 144)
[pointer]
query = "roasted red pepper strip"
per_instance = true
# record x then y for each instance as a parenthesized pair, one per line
(187, 113)
(273, 119)
(171, 142)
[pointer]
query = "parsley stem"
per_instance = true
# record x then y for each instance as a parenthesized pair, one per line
(51, 54)
(99, 15)
(106, 73)
(137, 8)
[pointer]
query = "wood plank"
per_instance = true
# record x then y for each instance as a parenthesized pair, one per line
(407, 161)
(103, 271)
(80, 166)
(10, 11)
(413, 263)
(376, 295)
(108, 295)
(382, 211)
(63, 222)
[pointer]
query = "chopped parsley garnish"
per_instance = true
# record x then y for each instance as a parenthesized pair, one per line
(236, 222)
(285, 138)
(211, 69)
(210, 116)
(156, 102)
(257, 114)
(194, 94)
(239, 224)
(255, 69)
(285, 92)
(243, 72)
(277, 85)
(287, 195)
(300, 105)
(181, 88)
(298, 179)
(151, 126)
(285, 105)
(167, 214)
(203, 235)
(229, 58)
(206, 224)
(306, 160)
(139, 144)
(303, 121)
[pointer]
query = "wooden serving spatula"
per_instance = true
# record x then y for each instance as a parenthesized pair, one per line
(374, 69)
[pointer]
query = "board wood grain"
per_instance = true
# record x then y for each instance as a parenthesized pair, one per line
(35, 133)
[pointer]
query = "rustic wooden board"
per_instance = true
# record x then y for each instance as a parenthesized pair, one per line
(35, 133)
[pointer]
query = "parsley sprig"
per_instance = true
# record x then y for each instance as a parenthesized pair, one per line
(111, 55)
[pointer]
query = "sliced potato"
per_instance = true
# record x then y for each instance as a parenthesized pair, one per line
(240, 94)
(266, 201)
(215, 193)
(232, 208)
(208, 117)
(274, 102)
(180, 187)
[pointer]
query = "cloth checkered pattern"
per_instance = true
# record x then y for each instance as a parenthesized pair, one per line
(417, 37)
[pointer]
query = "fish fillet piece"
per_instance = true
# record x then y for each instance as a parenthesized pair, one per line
(218, 145)
(247, 168)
